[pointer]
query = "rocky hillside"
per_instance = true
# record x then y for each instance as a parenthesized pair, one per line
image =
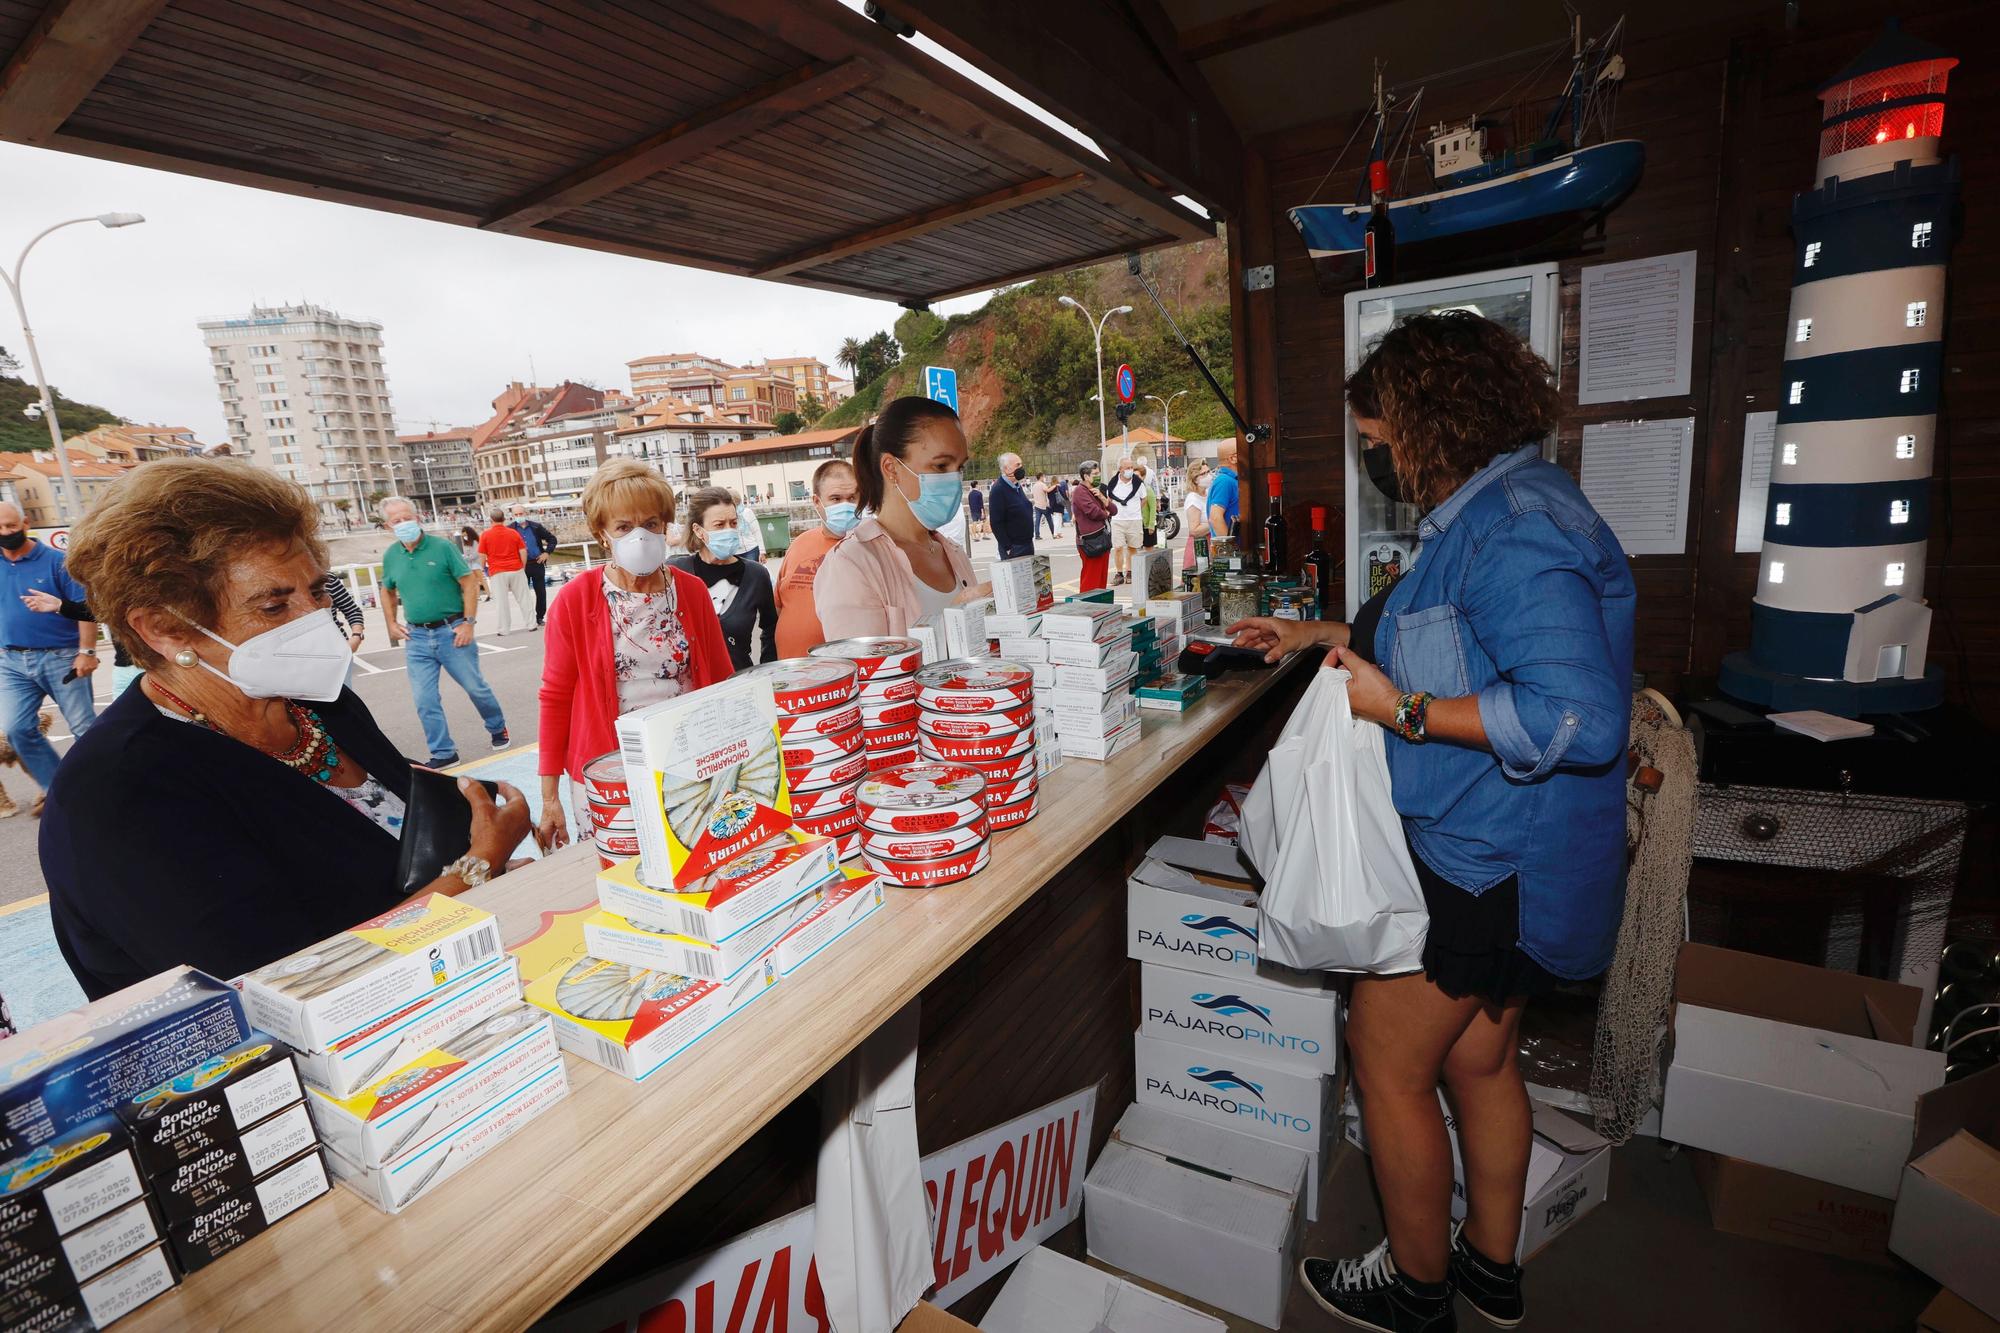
(20, 433)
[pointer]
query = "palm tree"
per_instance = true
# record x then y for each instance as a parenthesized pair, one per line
(850, 354)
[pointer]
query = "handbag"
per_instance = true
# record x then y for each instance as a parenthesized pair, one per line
(437, 827)
(1090, 545)
(1339, 893)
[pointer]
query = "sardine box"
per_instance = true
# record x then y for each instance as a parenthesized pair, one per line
(1031, 651)
(965, 628)
(1022, 586)
(67, 1183)
(847, 904)
(228, 1223)
(1088, 652)
(732, 899)
(1100, 718)
(707, 778)
(56, 1304)
(229, 1168)
(1094, 621)
(633, 1020)
(85, 1252)
(1104, 747)
(74, 1068)
(361, 1057)
(210, 1105)
(1005, 625)
(621, 939)
(1115, 675)
(354, 980)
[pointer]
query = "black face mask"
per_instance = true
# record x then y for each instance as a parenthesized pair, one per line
(13, 541)
(1020, 473)
(1382, 471)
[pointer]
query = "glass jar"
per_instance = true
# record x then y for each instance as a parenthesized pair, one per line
(1240, 597)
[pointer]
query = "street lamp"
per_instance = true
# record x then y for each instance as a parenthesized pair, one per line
(35, 357)
(430, 483)
(1097, 333)
(1167, 419)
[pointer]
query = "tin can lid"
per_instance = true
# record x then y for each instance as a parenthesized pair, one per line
(920, 787)
(808, 684)
(978, 674)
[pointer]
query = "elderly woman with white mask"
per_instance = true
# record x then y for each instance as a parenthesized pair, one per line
(626, 634)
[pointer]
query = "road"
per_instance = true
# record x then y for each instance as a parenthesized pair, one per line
(513, 666)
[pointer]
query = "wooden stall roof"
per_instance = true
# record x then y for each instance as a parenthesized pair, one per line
(787, 139)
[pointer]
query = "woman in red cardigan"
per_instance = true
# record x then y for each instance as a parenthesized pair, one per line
(624, 635)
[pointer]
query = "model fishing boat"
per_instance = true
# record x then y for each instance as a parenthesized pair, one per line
(1484, 204)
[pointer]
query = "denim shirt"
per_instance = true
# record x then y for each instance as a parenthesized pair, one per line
(1521, 595)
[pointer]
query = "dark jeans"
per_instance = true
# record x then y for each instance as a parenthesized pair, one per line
(538, 579)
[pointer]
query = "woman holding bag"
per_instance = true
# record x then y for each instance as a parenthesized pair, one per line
(1504, 679)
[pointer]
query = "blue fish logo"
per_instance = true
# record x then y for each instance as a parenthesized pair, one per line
(1232, 1005)
(1224, 1079)
(1218, 926)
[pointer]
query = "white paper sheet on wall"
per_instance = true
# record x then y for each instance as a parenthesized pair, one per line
(1636, 335)
(1635, 474)
(1759, 430)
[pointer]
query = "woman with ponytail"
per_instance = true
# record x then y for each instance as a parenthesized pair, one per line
(894, 569)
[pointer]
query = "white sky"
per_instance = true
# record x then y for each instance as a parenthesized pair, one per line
(462, 311)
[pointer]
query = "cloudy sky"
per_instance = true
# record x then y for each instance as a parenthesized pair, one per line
(462, 311)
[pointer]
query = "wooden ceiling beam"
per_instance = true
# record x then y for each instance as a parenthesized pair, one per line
(926, 222)
(1027, 275)
(760, 107)
(1267, 23)
(67, 52)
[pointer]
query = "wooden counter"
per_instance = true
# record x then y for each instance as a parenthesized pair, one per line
(502, 1242)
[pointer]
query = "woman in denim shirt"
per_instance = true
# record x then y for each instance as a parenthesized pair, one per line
(1505, 679)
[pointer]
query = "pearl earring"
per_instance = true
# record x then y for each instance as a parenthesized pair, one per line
(185, 657)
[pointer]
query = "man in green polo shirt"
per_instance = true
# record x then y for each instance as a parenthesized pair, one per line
(430, 597)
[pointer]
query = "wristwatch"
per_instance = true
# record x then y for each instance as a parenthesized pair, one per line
(474, 870)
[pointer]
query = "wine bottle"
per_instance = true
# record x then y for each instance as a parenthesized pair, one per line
(1274, 525)
(1379, 246)
(1318, 566)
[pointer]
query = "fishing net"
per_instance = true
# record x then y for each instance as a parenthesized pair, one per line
(1639, 987)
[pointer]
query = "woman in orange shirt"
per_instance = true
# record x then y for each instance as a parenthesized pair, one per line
(834, 495)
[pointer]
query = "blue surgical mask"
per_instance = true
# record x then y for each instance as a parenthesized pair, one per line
(409, 532)
(723, 544)
(938, 497)
(841, 517)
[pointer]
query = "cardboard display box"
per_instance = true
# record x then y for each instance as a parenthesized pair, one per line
(1764, 1203)
(1207, 1212)
(1193, 905)
(928, 1318)
(1281, 1103)
(1266, 1019)
(1049, 1293)
(1801, 1068)
(1948, 1216)
(1950, 1312)
(350, 1064)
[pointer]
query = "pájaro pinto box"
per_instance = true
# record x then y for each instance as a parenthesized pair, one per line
(1282, 1103)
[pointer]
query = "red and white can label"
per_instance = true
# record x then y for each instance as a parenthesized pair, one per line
(1004, 817)
(809, 684)
(899, 737)
(604, 780)
(840, 772)
(924, 846)
(921, 798)
(976, 726)
(969, 685)
(849, 847)
(1011, 791)
(951, 751)
(877, 717)
(882, 655)
(878, 760)
(884, 690)
(931, 874)
(843, 821)
(1010, 769)
(826, 722)
(803, 752)
(825, 802)
(618, 845)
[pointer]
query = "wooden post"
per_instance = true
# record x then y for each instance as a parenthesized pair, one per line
(1253, 320)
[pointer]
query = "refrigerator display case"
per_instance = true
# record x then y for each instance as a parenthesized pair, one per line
(1381, 536)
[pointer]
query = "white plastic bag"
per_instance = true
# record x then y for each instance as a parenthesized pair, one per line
(1339, 891)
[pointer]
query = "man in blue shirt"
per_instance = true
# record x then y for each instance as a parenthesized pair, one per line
(539, 541)
(1222, 493)
(45, 656)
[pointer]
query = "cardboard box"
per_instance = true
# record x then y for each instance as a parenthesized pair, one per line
(350, 1064)
(1282, 1103)
(1569, 1173)
(54, 1302)
(356, 979)
(1207, 1212)
(1088, 652)
(1764, 1203)
(67, 1183)
(1032, 652)
(221, 1171)
(402, 1182)
(1107, 679)
(1089, 621)
(930, 637)
(965, 628)
(707, 779)
(85, 1252)
(1950, 1312)
(1008, 625)
(1022, 586)
(59, 1075)
(1102, 747)
(1050, 1293)
(928, 1318)
(1152, 576)
(1101, 717)
(1193, 904)
(848, 902)
(1801, 1068)
(732, 899)
(633, 1021)
(228, 1222)
(1266, 1020)
(468, 1071)
(1947, 1218)
(210, 1105)
(651, 944)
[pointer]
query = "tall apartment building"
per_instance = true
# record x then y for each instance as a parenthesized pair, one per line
(510, 464)
(765, 394)
(654, 375)
(304, 393)
(808, 374)
(441, 470)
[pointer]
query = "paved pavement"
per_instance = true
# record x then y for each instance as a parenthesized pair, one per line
(513, 666)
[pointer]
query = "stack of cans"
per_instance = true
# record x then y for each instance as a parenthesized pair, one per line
(612, 828)
(980, 713)
(820, 739)
(886, 668)
(924, 825)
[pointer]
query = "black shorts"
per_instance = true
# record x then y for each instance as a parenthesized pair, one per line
(1474, 944)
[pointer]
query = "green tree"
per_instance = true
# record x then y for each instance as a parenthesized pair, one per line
(811, 409)
(789, 423)
(8, 365)
(849, 355)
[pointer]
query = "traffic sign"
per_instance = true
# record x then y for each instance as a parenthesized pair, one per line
(941, 385)
(1126, 384)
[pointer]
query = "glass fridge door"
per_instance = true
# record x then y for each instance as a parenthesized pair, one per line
(1381, 536)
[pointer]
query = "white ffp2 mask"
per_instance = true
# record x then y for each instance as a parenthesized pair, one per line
(305, 658)
(640, 552)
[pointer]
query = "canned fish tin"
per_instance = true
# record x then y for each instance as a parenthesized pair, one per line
(884, 690)
(843, 821)
(879, 760)
(977, 726)
(881, 716)
(1011, 769)
(812, 751)
(610, 816)
(604, 780)
(1011, 791)
(619, 845)
(931, 874)
(952, 751)
(841, 772)
(921, 798)
(826, 722)
(968, 685)
(824, 802)
(876, 656)
(809, 684)
(849, 847)
(900, 847)
(1004, 817)
(899, 737)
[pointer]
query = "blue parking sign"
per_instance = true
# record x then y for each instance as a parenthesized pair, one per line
(941, 385)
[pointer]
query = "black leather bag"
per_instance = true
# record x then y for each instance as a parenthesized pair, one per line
(437, 827)
(1093, 544)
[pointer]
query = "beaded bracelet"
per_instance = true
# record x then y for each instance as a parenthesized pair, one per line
(1413, 717)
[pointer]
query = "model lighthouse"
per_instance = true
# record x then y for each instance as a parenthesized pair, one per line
(1839, 622)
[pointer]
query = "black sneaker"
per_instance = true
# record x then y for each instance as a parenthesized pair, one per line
(1494, 1290)
(446, 762)
(500, 739)
(1369, 1293)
